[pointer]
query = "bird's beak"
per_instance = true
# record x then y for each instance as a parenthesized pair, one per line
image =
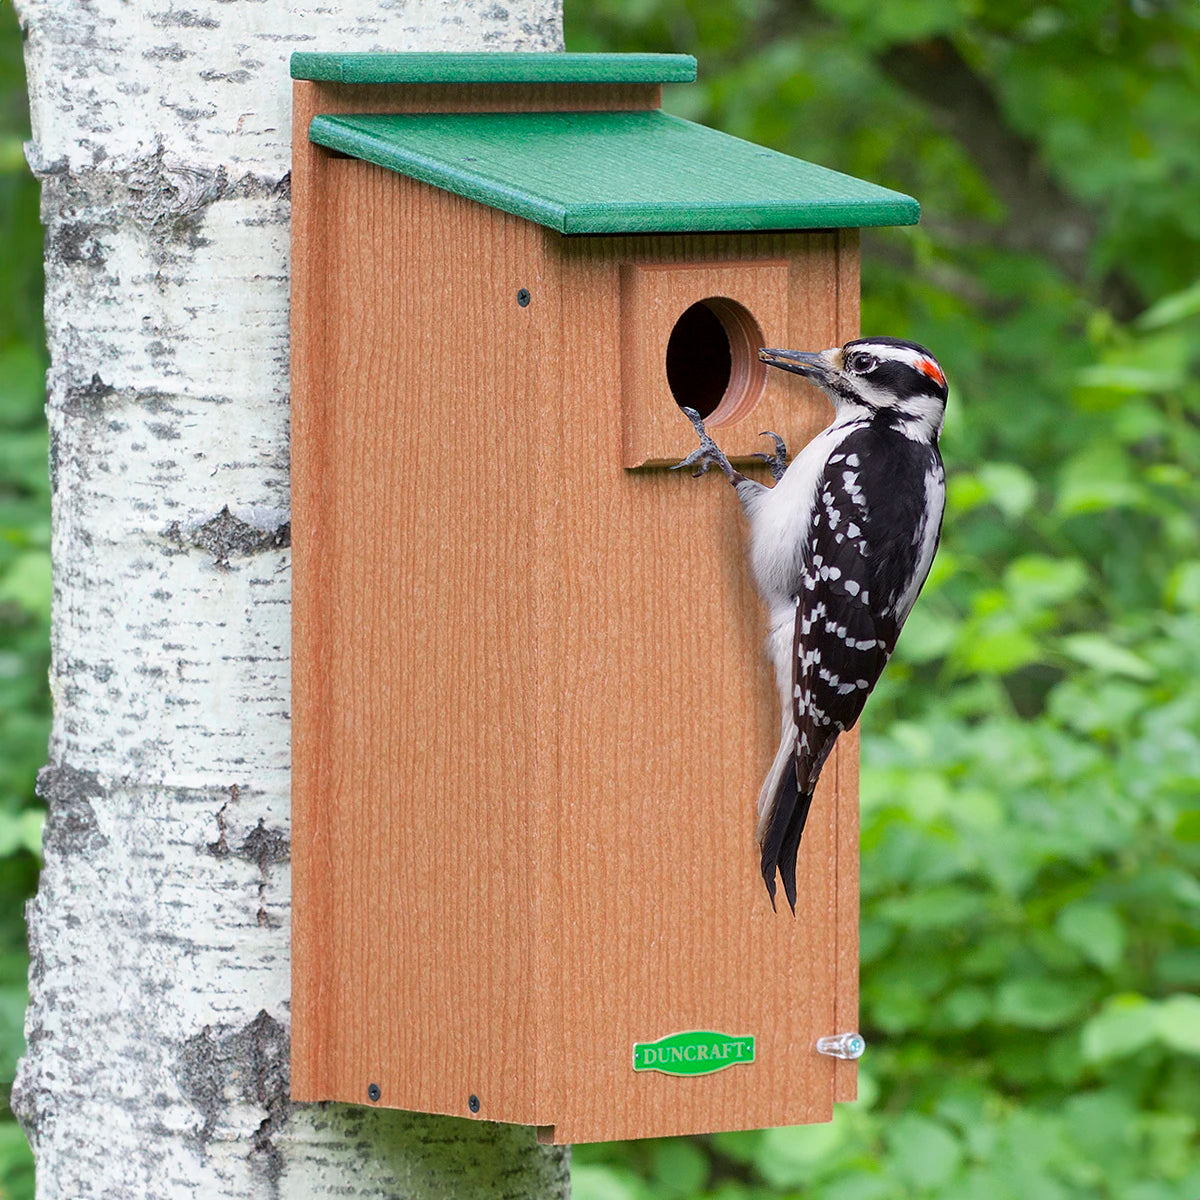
(817, 367)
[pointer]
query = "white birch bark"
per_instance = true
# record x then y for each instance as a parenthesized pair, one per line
(158, 1027)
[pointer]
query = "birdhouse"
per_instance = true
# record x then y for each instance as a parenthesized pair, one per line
(531, 710)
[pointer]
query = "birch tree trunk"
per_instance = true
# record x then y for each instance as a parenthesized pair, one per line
(158, 1027)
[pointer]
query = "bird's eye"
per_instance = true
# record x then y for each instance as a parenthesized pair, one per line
(860, 364)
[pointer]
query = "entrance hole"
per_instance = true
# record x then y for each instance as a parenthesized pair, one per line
(712, 360)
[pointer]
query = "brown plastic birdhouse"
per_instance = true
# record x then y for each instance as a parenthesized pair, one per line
(531, 711)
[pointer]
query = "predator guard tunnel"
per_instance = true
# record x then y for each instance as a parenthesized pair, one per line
(530, 709)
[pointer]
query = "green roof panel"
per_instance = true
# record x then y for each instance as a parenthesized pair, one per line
(614, 172)
(496, 66)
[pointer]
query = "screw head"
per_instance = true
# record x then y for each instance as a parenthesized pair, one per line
(473, 1103)
(373, 1092)
(524, 297)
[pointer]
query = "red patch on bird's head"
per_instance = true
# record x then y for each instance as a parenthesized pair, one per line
(928, 367)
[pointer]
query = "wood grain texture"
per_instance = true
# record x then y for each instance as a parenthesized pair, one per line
(418, 768)
(845, 1080)
(313, 929)
(312, 97)
(846, 896)
(531, 708)
(653, 298)
(665, 672)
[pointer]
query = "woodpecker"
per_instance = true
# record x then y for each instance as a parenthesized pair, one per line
(839, 549)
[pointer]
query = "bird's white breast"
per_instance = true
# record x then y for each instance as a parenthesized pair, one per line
(779, 520)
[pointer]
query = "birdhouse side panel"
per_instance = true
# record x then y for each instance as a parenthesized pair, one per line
(845, 1080)
(668, 721)
(418, 784)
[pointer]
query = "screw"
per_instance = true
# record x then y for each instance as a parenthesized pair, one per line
(373, 1092)
(523, 297)
(473, 1103)
(842, 1045)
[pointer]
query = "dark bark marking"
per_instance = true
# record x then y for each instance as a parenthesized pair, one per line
(220, 848)
(74, 242)
(265, 847)
(185, 19)
(226, 536)
(71, 827)
(249, 1064)
(89, 397)
(169, 201)
(175, 53)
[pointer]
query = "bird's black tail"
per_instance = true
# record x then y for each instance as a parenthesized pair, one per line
(781, 838)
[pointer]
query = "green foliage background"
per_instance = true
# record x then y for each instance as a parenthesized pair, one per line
(1031, 792)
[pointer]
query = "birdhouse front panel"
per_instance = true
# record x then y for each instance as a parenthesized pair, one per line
(531, 713)
(671, 931)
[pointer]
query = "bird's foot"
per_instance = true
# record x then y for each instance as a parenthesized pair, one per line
(778, 461)
(708, 454)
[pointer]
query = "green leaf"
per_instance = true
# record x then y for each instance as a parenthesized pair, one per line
(1104, 655)
(927, 635)
(1123, 1026)
(998, 650)
(27, 582)
(1120, 377)
(1171, 309)
(742, 1146)
(924, 1153)
(1179, 967)
(1038, 1003)
(899, 1008)
(22, 386)
(12, 155)
(1097, 480)
(965, 1007)
(1009, 487)
(595, 1182)
(1036, 581)
(678, 1168)
(1006, 485)
(1095, 930)
(933, 908)
(790, 1155)
(1183, 586)
(22, 831)
(859, 1186)
(1178, 1023)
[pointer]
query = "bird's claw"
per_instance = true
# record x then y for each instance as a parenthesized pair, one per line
(778, 461)
(707, 455)
(700, 456)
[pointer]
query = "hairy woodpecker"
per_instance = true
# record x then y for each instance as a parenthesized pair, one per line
(839, 549)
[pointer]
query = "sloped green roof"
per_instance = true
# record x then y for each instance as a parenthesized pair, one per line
(614, 172)
(495, 66)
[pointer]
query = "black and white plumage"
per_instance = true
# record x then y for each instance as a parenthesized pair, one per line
(839, 549)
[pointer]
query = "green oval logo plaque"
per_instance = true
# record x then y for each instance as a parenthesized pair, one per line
(696, 1052)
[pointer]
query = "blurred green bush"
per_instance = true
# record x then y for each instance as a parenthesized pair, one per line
(24, 578)
(1031, 785)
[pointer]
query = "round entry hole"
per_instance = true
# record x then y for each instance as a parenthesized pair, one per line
(712, 360)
